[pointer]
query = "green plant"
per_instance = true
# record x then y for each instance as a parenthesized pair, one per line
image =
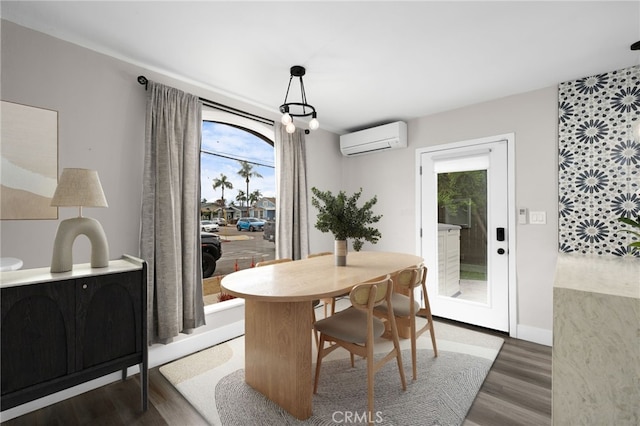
(341, 216)
(634, 224)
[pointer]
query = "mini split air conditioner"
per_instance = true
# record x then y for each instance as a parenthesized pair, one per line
(381, 138)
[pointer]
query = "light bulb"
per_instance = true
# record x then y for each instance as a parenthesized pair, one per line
(291, 128)
(314, 124)
(286, 118)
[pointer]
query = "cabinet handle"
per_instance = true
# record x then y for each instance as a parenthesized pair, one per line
(84, 286)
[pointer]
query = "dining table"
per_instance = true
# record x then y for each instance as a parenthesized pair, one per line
(278, 317)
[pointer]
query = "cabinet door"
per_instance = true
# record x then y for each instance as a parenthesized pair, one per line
(453, 262)
(37, 334)
(109, 317)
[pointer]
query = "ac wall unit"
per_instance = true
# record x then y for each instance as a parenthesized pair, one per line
(381, 138)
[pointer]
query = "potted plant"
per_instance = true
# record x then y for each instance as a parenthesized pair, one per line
(635, 224)
(341, 216)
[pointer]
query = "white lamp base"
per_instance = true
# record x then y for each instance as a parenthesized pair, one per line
(68, 230)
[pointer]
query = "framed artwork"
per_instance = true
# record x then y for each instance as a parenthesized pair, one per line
(29, 169)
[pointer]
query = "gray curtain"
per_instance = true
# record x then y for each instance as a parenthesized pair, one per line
(291, 184)
(170, 231)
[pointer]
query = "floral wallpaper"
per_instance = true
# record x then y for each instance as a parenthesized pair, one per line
(599, 162)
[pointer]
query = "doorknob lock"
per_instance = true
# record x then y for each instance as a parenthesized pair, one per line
(501, 251)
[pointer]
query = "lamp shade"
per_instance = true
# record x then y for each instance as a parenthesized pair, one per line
(79, 188)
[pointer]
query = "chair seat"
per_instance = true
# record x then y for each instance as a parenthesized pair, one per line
(349, 325)
(401, 305)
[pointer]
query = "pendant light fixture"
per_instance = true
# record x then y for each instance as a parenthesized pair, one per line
(298, 109)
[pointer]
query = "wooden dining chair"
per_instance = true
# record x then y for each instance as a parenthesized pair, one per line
(314, 303)
(356, 328)
(327, 300)
(405, 308)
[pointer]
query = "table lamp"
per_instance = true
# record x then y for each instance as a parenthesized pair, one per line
(79, 188)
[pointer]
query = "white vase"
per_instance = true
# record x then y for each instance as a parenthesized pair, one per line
(340, 251)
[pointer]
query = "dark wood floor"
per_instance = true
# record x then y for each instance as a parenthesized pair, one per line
(517, 391)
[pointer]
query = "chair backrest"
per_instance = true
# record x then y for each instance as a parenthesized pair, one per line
(324, 253)
(273, 261)
(423, 280)
(366, 296)
(411, 278)
(408, 279)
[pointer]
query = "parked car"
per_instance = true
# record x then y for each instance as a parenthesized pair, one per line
(220, 221)
(211, 252)
(209, 226)
(270, 231)
(250, 224)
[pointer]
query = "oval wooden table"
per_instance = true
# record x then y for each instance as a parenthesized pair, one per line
(278, 312)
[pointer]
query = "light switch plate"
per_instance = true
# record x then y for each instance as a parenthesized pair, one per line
(538, 218)
(522, 216)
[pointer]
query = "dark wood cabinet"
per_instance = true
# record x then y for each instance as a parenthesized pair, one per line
(60, 330)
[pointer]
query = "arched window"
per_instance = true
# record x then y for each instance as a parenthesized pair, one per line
(237, 176)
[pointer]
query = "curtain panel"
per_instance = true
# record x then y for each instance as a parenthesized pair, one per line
(292, 220)
(170, 231)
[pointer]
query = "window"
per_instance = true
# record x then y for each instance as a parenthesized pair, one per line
(237, 175)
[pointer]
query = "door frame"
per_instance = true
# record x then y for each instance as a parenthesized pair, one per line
(511, 205)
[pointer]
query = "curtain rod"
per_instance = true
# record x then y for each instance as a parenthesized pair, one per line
(145, 82)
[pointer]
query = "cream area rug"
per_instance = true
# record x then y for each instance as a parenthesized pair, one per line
(213, 381)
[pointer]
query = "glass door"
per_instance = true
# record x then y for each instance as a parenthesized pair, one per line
(464, 206)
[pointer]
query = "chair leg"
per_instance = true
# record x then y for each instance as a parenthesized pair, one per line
(427, 314)
(414, 353)
(396, 345)
(433, 337)
(315, 333)
(329, 301)
(318, 363)
(370, 380)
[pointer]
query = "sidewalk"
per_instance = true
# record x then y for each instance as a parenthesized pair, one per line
(227, 238)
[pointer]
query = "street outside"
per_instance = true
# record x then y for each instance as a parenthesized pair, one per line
(243, 248)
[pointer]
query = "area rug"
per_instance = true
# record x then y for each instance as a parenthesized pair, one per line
(213, 382)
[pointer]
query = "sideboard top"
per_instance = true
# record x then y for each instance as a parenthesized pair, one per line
(42, 275)
(611, 275)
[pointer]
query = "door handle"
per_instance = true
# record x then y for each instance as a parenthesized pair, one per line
(500, 234)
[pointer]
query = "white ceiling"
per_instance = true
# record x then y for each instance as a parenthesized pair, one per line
(368, 62)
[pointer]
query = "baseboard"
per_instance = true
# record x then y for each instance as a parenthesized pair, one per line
(541, 336)
(224, 322)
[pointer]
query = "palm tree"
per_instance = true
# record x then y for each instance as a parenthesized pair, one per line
(222, 182)
(241, 197)
(254, 196)
(247, 172)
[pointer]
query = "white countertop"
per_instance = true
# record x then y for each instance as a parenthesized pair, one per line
(613, 275)
(40, 275)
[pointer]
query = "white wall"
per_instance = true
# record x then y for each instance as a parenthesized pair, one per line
(325, 173)
(100, 126)
(533, 118)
